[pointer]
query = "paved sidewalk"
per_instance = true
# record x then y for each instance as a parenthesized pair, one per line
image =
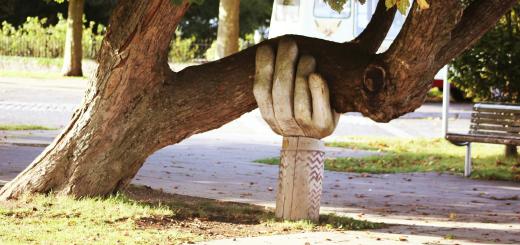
(423, 208)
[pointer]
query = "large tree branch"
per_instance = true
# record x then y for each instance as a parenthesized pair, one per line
(477, 19)
(382, 87)
(374, 34)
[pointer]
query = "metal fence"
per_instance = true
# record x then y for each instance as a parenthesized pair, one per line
(52, 47)
(49, 47)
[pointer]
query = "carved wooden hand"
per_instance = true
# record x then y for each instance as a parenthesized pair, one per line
(293, 103)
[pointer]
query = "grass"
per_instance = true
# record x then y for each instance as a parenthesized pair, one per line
(35, 74)
(13, 127)
(421, 155)
(144, 216)
(47, 219)
(42, 61)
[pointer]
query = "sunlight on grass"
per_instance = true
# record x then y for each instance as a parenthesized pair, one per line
(328, 221)
(421, 155)
(13, 127)
(146, 216)
(43, 61)
(36, 75)
(48, 219)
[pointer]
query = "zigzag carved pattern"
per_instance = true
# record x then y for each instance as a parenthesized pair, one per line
(314, 167)
(282, 172)
(283, 165)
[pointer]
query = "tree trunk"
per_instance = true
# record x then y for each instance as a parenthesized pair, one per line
(228, 28)
(122, 119)
(136, 104)
(511, 151)
(73, 52)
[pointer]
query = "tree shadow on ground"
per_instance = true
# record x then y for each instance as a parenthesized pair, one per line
(196, 208)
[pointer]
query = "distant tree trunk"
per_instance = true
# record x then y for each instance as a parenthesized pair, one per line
(511, 151)
(136, 104)
(73, 52)
(228, 27)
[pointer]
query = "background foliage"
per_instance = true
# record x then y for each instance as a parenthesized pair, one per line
(35, 37)
(490, 71)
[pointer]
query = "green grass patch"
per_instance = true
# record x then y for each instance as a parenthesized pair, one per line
(42, 61)
(13, 127)
(63, 220)
(421, 155)
(145, 216)
(35, 74)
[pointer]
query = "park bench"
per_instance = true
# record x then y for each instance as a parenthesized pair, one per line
(492, 124)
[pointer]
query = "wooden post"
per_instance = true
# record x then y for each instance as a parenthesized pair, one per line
(300, 179)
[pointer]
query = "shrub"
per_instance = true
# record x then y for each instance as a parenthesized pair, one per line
(182, 50)
(490, 71)
(38, 39)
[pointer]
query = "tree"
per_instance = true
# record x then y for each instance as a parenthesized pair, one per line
(200, 20)
(136, 104)
(490, 71)
(228, 27)
(73, 52)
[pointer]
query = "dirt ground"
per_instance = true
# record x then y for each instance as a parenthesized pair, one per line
(213, 220)
(238, 223)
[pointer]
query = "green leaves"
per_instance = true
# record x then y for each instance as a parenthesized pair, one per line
(490, 70)
(403, 5)
(423, 4)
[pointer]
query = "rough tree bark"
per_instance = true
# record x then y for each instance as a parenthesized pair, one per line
(136, 105)
(73, 52)
(228, 27)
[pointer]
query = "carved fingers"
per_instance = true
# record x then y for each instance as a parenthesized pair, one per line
(293, 100)
(263, 85)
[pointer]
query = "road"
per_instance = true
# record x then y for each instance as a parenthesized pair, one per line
(52, 102)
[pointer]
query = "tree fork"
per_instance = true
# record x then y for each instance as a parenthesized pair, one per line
(374, 34)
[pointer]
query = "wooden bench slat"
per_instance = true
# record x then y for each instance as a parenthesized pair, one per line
(495, 116)
(491, 133)
(515, 112)
(497, 108)
(495, 121)
(490, 139)
(499, 128)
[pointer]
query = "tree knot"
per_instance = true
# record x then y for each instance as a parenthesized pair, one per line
(374, 78)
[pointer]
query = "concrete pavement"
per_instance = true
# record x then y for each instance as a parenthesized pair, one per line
(423, 208)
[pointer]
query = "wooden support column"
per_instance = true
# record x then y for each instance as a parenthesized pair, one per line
(300, 179)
